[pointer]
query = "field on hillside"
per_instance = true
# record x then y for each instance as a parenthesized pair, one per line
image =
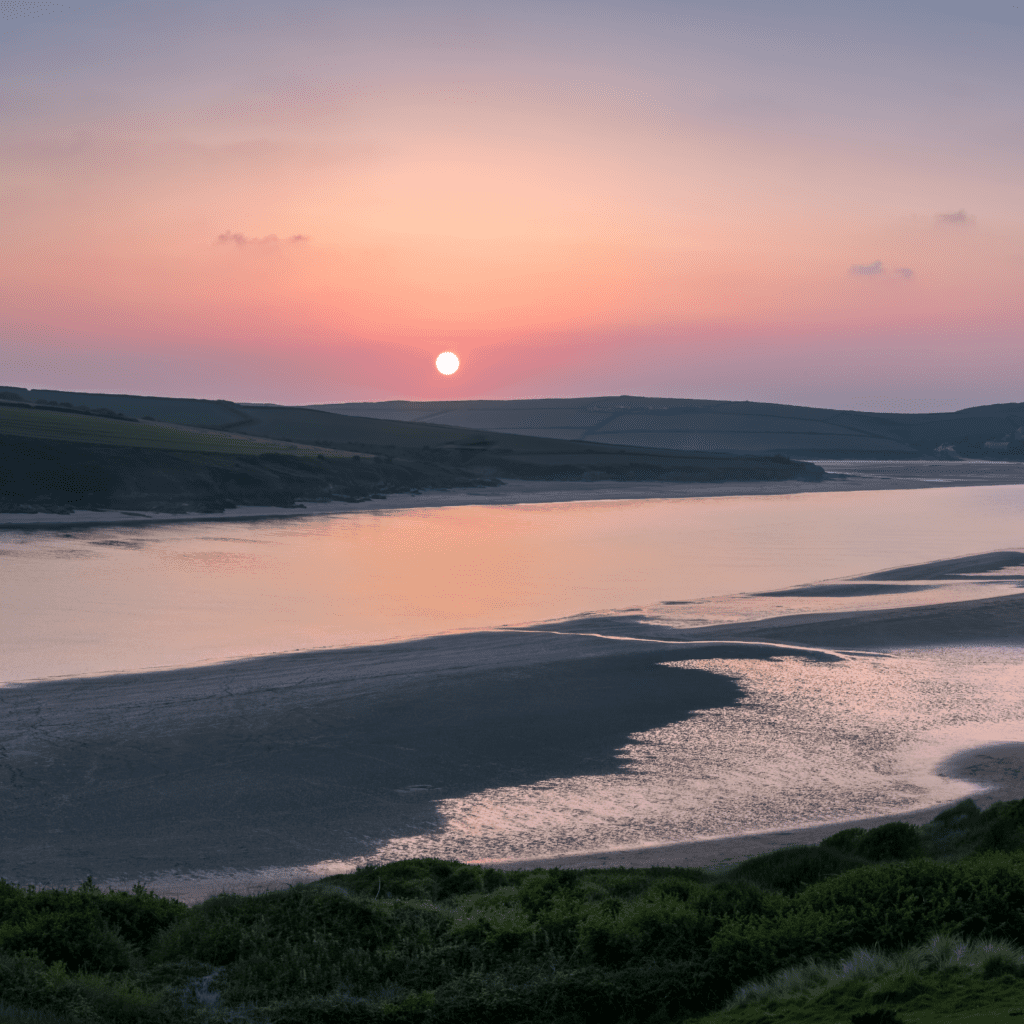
(58, 425)
(434, 451)
(801, 432)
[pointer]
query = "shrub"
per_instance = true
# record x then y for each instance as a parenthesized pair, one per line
(791, 869)
(893, 841)
(83, 928)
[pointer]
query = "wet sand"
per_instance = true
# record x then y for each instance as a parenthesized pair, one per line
(999, 768)
(294, 759)
(852, 476)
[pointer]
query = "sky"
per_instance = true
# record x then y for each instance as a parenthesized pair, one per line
(800, 201)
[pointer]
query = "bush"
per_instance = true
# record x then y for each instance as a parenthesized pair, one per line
(894, 841)
(83, 928)
(27, 983)
(796, 867)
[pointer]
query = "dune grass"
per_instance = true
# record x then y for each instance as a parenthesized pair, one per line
(822, 933)
(945, 977)
(53, 425)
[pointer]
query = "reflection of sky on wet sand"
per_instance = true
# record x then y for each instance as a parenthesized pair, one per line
(810, 743)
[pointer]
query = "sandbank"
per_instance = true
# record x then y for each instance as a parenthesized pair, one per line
(844, 476)
(297, 759)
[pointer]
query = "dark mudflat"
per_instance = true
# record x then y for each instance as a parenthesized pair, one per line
(300, 758)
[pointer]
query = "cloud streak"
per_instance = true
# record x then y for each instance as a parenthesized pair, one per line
(867, 269)
(236, 238)
(877, 269)
(956, 218)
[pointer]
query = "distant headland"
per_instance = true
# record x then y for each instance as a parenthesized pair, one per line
(991, 432)
(66, 451)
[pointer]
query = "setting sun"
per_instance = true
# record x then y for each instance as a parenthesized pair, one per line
(447, 363)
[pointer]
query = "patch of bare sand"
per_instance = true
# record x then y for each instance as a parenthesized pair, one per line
(999, 767)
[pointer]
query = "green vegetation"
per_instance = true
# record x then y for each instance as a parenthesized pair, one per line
(207, 456)
(90, 428)
(944, 979)
(420, 455)
(54, 460)
(899, 923)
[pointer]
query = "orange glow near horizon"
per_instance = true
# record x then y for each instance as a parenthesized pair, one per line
(497, 209)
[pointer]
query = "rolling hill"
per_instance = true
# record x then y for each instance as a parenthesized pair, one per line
(65, 450)
(752, 428)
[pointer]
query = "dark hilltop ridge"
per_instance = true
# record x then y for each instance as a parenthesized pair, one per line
(61, 451)
(755, 428)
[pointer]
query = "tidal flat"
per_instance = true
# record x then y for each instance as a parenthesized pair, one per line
(745, 690)
(619, 739)
(627, 813)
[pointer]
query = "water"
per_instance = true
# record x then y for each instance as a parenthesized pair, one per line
(128, 598)
(809, 742)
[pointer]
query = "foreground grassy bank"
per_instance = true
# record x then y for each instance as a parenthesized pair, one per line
(898, 923)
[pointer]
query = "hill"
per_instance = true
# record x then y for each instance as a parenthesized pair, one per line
(799, 432)
(64, 450)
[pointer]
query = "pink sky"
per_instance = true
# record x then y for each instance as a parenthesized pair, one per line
(800, 202)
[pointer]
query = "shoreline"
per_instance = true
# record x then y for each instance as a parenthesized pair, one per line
(851, 476)
(718, 854)
(998, 768)
(218, 777)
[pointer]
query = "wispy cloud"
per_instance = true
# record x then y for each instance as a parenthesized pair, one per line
(877, 269)
(867, 269)
(957, 217)
(234, 237)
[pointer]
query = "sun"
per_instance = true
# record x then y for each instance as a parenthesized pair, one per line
(447, 363)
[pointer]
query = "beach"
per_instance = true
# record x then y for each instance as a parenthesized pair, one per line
(999, 768)
(845, 476)
(264, 771)
(243, 774)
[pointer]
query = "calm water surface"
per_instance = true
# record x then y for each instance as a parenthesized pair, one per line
(125, 598)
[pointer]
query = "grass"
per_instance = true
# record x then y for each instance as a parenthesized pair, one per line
(53, 425)
(820, 933)
(17, 1015)
(941, 979)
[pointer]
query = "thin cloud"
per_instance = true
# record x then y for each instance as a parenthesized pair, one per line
(867, 269)
(235, 238)
(877, 269)
(957, 217)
